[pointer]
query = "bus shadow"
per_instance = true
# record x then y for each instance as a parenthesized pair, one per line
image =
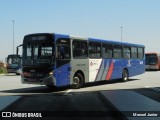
(151, 70)
(106, 82)
(31, 90)
(44, 89)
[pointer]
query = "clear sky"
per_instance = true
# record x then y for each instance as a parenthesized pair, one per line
(87, 18)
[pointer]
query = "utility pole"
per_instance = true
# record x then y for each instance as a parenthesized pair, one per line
(121, 32)
(13, 36)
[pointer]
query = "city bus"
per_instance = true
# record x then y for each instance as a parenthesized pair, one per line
(152, 61)
(58, 60)
(13, 63)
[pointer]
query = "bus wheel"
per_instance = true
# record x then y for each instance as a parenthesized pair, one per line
(78, 81)
(125, 75)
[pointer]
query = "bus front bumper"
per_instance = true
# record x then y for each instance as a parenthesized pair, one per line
(17, 71)
(47, 80)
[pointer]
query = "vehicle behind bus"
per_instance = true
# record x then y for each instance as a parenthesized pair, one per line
(13, 64)
(152, 61)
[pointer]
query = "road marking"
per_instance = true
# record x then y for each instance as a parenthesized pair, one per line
(153, 88)
(67, 92)
(156, 89)
(147, 86)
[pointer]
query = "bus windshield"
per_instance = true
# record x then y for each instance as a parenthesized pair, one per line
(14, 60)
(151, 59)
(38, 53)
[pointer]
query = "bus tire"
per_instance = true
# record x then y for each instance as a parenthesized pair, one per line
(125, 75)
(78, 81)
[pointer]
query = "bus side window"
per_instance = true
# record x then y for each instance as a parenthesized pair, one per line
(140, 53)
(91, 50)
(94, 50)
(80, 49)
(117, 51)
(63, 52)
(107, 50)
(126, 52)
(134, 54)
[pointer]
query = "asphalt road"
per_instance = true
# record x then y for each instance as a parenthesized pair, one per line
(11, 85)
(88, 98)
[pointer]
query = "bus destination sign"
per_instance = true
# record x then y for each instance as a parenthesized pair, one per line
(39, 38)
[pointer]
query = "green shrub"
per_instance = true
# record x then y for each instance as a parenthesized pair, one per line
(3, 70)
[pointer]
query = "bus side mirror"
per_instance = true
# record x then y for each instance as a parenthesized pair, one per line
(18, 48)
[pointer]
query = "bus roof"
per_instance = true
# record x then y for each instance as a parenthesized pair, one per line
(90, 39)
(13, 55)
(152, 53)
(115, 42)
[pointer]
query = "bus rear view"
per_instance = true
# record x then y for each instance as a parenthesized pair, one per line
(152, 61)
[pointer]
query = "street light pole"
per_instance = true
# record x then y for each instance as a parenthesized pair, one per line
(121, 33)
(13, 36)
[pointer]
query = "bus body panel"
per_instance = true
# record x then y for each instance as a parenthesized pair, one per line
(62, 71)
(94, 69)
(136, 67)
(62, 75)
(117, 69)
(81, 66)
(106, 70)
(78, 65)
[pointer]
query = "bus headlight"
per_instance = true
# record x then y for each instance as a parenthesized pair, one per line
(51, 73)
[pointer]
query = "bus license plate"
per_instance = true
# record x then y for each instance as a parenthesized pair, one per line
(32, 80)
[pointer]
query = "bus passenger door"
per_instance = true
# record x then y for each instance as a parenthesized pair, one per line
(63, 56)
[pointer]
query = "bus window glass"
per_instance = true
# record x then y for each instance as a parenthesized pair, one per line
(107, 50)
(63, 49)
(140, 53)
(63, 52)
(117, 51)
(46, 51)
(29, 51)
(35, 51)
(80, 49)
(126, 52)
(9, 61)
(134, 52)
(151, 59)
(38, 53)
(94, 50)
